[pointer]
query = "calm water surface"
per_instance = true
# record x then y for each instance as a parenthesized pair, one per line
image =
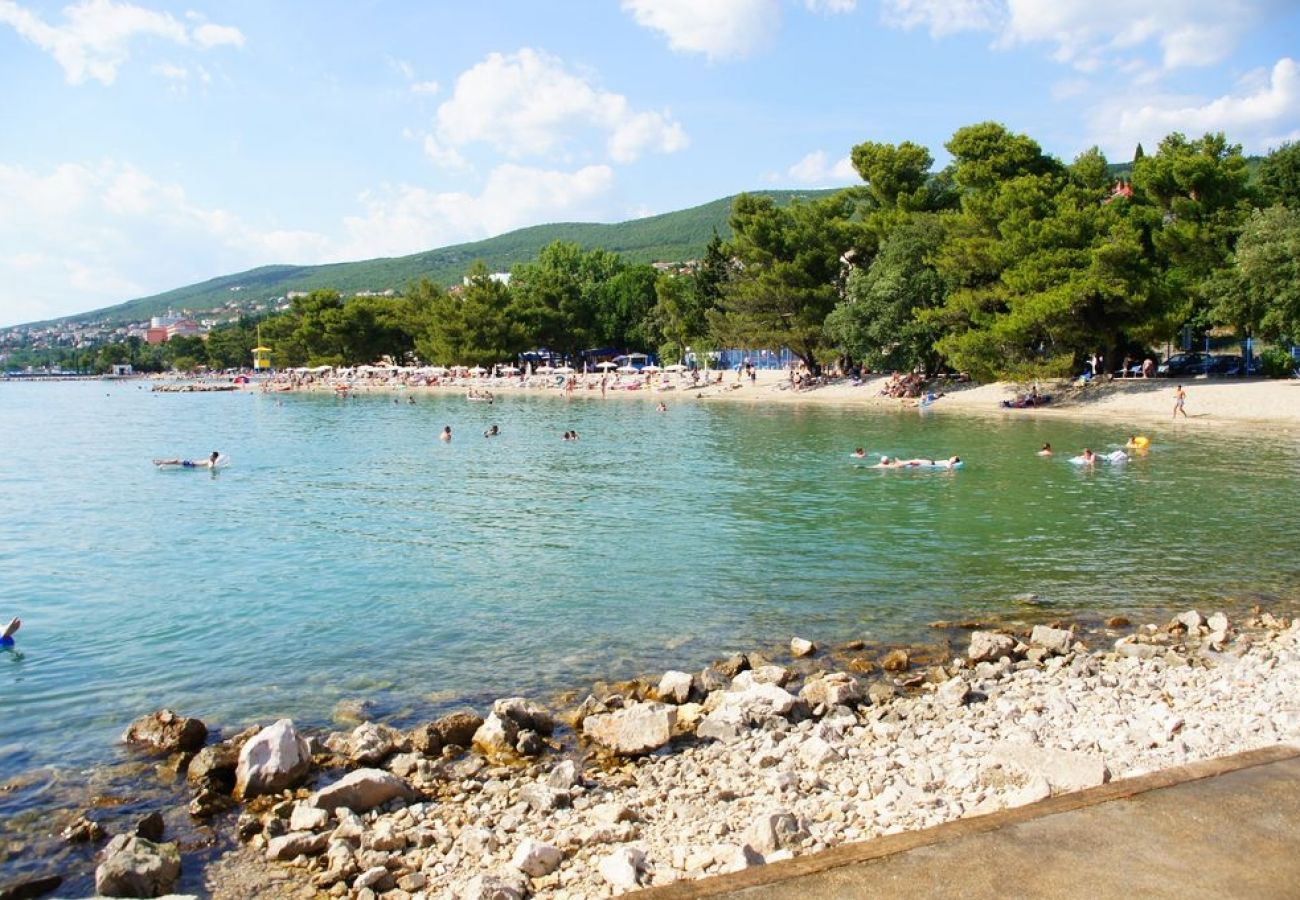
(346, 553)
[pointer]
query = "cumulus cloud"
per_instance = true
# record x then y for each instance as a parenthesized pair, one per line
(1090, 34)
(405, 218)
(95, 38)
(424, 87)
(817, 169)
(78, 236)
(831, 6)
(530, 104)
(718, 29)
(1259, 117)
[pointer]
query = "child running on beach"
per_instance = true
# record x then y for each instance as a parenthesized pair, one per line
(1180, 397)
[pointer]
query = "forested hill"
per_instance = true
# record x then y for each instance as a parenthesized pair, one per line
(673, 236)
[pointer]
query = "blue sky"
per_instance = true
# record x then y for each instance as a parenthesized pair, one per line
(150, 145)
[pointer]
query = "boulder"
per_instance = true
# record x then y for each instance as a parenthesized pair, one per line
(896, 661)
(832, 689)
(1063, 770)
(151, 827)
(215, 766)
(510, 718)
(30, 888)
(525, 714)
(775, 831)
(274, 759)
(135, 867)
(800, 647)
(881, 692)
(564, 775)
(297, 843)
(166, 731)
(1119, 622)
(496, 736)
(454, 729)
(306, 817)
(536, 858)
(542, 797)
(362, 790)
(83, 830)
(987, 646)
(777, 675)
(370, 743)
(506, 885)
(1191, 620)
(733, 665)
(633, 730)
(675, 687)
(817, 752)
(1056, 640)
(1218, 623)
(622, 868)
(712, 679)
(952, 693)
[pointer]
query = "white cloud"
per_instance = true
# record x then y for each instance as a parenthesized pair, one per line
(79, 236)
(816, 169)
(406, 219)
(530, 104)
(718, 29)
(171, 72)
(94, 40)
(424, 87)
(1259, 117)
(943, 17)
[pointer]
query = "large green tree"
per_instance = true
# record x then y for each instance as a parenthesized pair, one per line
(789, 273)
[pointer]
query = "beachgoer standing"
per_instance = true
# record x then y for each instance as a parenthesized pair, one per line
(1180, 397)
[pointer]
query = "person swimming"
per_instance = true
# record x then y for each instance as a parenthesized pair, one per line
(492, 432)
(7, 636)
(860, 453)
(209, 463)
(1088, 456)
(1046, 451)
(446, 433)
(662, 407)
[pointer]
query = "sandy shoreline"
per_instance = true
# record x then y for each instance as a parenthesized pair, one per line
(1137, 402)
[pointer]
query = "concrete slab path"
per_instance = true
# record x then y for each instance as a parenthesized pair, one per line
(1224, 828)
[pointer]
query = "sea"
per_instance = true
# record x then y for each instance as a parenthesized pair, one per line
(346, 557)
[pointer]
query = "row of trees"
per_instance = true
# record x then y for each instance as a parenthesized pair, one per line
(1007, 263)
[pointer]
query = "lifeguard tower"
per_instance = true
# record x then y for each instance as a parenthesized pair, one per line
(261, 355)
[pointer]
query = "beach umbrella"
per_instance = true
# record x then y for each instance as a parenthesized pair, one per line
(650, 368)
(509, 370)
(545, 370)
(675, 367)
(478, 370)
(607, 365)
(627, 368)
(564, 370)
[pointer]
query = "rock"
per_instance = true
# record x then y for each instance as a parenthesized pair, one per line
(1064, 770)
(536, 858)
(744, 857)
(31, 888)
(1191, 620)
(987, 646)
(376, 878)
(733, 665)
(725, 724)
(881, 692)
(83, 831)
(612, 814)
(800, 647)
(1130, 648)
(208, 803)
(215, 766)
(135, 867)
(166, 731)
(953, 693)
(712, 679)
(529, 743)
(564, 775)
(1057, 640)
(817, 752)
(1118, 622)
(675, 687)
(777, 675)
(150, 827)
(362, 790)
(369, 744)
(1218, 623)
(634, 730)
(525, 714)
(297, 843)
(275, 758)
(457, 728)
(775, 831)
(896, 661)
(496, 736)
(509, 885)
(306, 817)
(543, 797)
(622, 868)
(353, 711)
(832, 689)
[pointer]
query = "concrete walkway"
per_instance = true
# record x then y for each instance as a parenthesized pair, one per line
(1225, 828)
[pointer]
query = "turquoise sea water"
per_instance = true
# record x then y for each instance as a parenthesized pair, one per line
(347, 554)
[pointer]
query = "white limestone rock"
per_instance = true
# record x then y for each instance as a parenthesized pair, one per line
(1056, 640)
(987, 646)
(800, 647)
(274, 759)
(536, 858)
(623, 867)
(634, 730)
(675, 687)
(362, 790)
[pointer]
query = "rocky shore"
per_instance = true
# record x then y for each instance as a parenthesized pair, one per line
(694, 774)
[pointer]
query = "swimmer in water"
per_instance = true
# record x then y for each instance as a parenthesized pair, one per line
(1088, 456)
(446, 433)
(859, 453)
(492, 432)
(209, 463)
(7, 636)
(1046, 451)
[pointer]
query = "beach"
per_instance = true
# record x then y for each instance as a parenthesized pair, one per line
(1134, 401)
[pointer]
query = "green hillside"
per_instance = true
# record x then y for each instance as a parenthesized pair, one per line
(673, 236)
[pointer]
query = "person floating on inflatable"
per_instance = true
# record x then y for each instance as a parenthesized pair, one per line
(7, 636)
(1138, 442)
(209, 463)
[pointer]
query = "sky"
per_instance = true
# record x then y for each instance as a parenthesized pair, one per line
(146, 146)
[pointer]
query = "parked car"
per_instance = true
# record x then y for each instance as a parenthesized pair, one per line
(1181, 364)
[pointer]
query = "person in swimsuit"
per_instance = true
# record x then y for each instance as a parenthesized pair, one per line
(209, 463)
(1046, 451)
(446, 433)
(492, 432)
(1180, 397)
(860, 453)
(7, 636)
